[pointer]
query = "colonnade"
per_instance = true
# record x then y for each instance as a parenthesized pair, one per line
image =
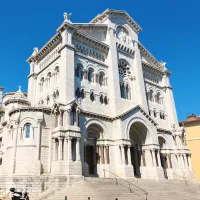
(67, 149)
(138, 157)
(101, 154)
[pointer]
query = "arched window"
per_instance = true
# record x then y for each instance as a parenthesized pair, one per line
(161, 115)
(124, 78)
(48, 100)
(128, 94)
(57, 93)
(90, 75)
(155, 113)
(151, 95)
(79, 72)
(11, 132)
(82, 93)
(105, 100)
(42, 85)
(78, 93)
(122, 90)
(27, 130)
(56, 72)
(101, 98)
(158, 100)
(49, 79)
(101, 79)
(92, 98)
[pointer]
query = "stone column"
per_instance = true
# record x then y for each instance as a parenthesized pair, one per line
(77, 118)
(85, 74)
(15, 146)
(105, 155)
(154, 158)
(60, 148)
(78, 149)
(158, 157)
(186, 163)
(68, 120)
(54, 150)
(65, 148)
(39, 139)
(123, 154)
(69, 148)
(129, 155)
(100, 155)
(189, 161)
(61, 118)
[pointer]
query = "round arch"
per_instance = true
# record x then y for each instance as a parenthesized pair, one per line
(98, 123)
(139, 122)
(28, 120)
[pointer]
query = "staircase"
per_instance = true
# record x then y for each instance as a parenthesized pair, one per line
(107, 189)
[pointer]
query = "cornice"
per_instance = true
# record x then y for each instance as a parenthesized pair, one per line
(48, 47)
(109, 13)
(150, 56)
(90, 26)
(164, 131)
(91, 59)
(152, 68)
(90, 41)
(120, 115)
(30, 108)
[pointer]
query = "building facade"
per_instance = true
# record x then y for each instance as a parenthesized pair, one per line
(97, 99)
(192, 133)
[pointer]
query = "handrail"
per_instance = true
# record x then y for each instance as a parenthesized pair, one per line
(144, 191)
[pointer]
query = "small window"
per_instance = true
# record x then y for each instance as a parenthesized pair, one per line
(82, 94)
(151, 95)
(77, 72)
(27, 130)
(101, 99)
(155, 114)
(92, 96)
(78, 93)
(105, 100)
(90, 75)
(101, 79)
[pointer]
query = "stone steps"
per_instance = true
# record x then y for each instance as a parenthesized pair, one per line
(101, 189)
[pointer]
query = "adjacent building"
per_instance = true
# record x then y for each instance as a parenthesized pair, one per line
(192, 133)
(97, 99)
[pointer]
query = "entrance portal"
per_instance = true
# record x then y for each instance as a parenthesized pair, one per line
(94, 133)
(91, 160)
(138, 133)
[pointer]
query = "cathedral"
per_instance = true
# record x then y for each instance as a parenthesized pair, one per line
(98, 102)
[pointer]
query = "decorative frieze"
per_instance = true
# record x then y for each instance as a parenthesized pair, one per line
(50, 58)
(90, 52)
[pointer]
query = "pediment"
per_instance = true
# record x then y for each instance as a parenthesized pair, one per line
(109, 13)
(135, 110)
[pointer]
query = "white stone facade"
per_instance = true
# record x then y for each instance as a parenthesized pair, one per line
(97, 99)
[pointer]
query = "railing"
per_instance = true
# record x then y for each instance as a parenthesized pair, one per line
(129, 185)
(187, 180)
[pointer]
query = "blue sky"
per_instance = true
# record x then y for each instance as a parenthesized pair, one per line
(171, 31)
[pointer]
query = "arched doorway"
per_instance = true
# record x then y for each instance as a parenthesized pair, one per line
(138, 134)
(92, 151)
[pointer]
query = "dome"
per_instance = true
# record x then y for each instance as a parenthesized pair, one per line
(18, 97)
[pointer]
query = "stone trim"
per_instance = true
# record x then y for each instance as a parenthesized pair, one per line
(121, 115)
(88, 40)
(38, 109)
(108, 12)
(49, 46)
